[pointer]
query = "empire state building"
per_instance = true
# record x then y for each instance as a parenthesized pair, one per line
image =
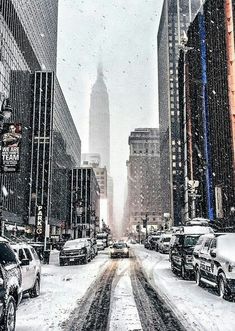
(99, 125)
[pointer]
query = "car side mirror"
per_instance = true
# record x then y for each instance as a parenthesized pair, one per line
(24, 262)
(212, 253)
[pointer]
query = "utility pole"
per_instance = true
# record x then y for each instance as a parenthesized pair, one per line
(138, 231)
(145, 225)
(185, 49)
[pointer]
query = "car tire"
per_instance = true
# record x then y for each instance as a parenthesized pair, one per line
(61, 262)
(198, 277)
(173, 269)
(85, 260)
(222, 287)
(184, 273)
(35, 291)
(9, 320)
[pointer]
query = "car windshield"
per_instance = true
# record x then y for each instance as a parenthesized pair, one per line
(119, 245)
(74, 243)
(166, 239)
(190, 241)
(7, 256)
(154, 238)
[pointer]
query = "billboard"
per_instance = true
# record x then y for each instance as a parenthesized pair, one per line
(11, 147)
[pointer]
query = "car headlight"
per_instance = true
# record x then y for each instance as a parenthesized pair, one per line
(125, 250)
(231, 268)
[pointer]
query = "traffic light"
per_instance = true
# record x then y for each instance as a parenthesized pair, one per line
(137, 227)
(145, 223)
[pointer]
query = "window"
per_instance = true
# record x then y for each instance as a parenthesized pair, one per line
(213, 244)
(21, 254)
(7, 256)
(34, 254)
(28, 254)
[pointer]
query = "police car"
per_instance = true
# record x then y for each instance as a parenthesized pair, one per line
(214, 263)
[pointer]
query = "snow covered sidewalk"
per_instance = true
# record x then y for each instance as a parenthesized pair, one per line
(198, 308)
(61, 287)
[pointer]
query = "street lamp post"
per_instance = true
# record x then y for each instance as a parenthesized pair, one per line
(5, 113)
(145, 225)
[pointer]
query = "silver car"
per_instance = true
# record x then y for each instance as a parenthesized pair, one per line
(119, 249)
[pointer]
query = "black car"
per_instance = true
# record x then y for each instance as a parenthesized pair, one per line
(10, 286)
(181, 253)
(153, 242)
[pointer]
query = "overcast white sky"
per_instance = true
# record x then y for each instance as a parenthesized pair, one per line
(126, 32)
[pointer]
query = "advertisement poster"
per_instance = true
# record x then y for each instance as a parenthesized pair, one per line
(11, 147)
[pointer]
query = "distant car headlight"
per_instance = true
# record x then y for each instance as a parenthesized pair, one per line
(231, 267)
(125, 250)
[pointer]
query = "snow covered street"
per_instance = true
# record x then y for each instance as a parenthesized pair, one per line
(198, 308)
(116, 292)
(61, 287)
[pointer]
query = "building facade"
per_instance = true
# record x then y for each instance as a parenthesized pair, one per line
(175, 19)
(143, 169)
(84, 203)
(50, 143)
(210, 110)
(99, 124)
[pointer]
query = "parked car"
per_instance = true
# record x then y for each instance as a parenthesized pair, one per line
(164, 243)
(215, 264)
(146, 243)
(153, 241)
(119, 249)
(76, 250)
(133, 241)
(181, 249)
(100, 244)
(10, 286)
(31, 268)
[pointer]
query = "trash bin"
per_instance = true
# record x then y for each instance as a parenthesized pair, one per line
(46, 256)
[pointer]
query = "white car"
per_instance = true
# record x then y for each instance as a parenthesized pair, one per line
(215, 264)
(31, 268)
(100, 244)
(164, 243)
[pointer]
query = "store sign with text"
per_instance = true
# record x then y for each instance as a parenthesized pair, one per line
(40, 220)
(11, 147)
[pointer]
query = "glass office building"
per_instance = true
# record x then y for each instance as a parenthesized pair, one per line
(175, 18)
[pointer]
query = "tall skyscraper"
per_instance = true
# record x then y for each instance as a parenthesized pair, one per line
(40, 19)
(99, 126)
(143, 178)
(175, 19)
